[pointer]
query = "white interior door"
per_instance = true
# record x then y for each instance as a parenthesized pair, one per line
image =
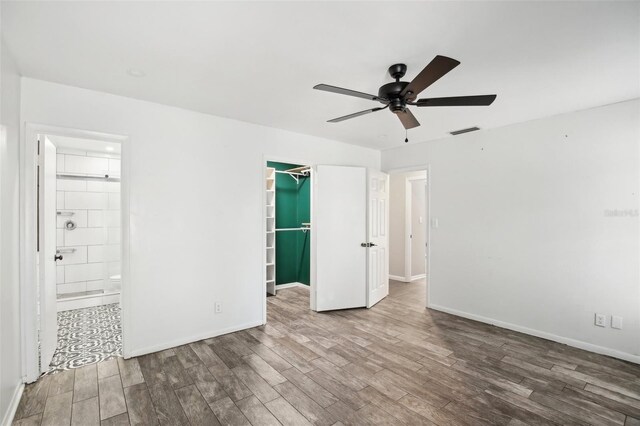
(340, 229)
(378, 238)
(47, 252)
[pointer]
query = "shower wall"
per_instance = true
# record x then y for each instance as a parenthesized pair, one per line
(83, 276)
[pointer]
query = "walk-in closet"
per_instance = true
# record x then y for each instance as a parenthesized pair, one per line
(288, 225)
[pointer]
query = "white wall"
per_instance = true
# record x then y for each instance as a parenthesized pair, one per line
(196, 188)
(525, 239)
(10, 357)
(397, 221)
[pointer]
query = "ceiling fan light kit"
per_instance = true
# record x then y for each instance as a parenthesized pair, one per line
(398, 95)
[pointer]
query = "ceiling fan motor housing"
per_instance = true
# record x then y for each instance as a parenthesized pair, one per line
(391, 92)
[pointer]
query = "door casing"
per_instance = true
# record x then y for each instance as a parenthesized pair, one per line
(28, 238)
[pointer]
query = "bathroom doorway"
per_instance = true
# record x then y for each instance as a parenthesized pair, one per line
(76, 217)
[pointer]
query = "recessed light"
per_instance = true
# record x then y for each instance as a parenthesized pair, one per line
(134, 72)
(109, 148)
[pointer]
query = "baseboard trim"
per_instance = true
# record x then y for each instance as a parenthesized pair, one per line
(290, 285)
(13, 405)
(195, 338)
(398, 278)
(418, 277)
(537, 333)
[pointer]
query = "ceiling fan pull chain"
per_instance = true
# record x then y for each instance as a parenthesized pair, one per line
(406, 137)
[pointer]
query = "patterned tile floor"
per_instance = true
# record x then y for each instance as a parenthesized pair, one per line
(87, 336)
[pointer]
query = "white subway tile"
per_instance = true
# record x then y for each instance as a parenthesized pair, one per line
(85, 200)
(113, 235)
(112, 218)
(113, 268)
(104, 253)
(84, 236)
(59, 200)
(114, 165)
(71, 287)
(114, 201)
(95, 285)
(95, 218)
(88, 165)
(71, 185)
(84, 272)
(59, 163)
(95, 186)
(79, 256)
(112, 187)
(79, 217)
(59, 274)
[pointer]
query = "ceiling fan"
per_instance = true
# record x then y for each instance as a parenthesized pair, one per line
(398, 95)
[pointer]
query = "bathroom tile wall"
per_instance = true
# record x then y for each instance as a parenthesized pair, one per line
(96, 211)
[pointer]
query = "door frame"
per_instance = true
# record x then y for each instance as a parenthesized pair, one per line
(312, 264)
(408, 221)
(28, 235)
(427, 168)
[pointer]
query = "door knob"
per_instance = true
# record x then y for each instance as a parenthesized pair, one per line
(367, 245)
(57, 257)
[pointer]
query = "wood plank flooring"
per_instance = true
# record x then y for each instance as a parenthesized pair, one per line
(397, 363)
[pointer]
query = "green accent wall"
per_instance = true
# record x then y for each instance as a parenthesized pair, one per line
(293, 207)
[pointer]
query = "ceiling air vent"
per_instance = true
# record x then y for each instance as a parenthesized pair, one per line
(467, 130)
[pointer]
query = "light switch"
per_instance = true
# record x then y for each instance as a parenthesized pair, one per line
(616, 322)
(434, 223)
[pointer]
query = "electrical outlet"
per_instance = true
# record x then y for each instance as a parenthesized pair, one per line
(218, 307)
(601, 320)
(616, 322)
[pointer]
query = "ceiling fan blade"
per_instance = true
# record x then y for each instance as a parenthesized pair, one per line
(439, 66)
(348, 92)
(407, 118)
(354, 115)
(478, 100)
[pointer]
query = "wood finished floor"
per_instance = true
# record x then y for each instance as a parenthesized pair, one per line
(394, 364)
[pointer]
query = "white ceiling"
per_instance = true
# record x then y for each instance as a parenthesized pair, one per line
(90, 145)
(257, 62)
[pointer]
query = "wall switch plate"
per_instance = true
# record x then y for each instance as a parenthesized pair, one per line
(434, 223)
(218, 307)
(616, 322)
(601, 320)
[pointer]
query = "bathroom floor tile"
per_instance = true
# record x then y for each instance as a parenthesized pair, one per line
(87, 336)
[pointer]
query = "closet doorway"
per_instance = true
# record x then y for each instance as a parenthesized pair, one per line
(288, 226)
(326, 230)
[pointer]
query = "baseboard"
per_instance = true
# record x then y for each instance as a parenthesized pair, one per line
(537, 333)
(186, 340)
(290, 285)
(418, 277)
(13, 405)
(398, 278)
